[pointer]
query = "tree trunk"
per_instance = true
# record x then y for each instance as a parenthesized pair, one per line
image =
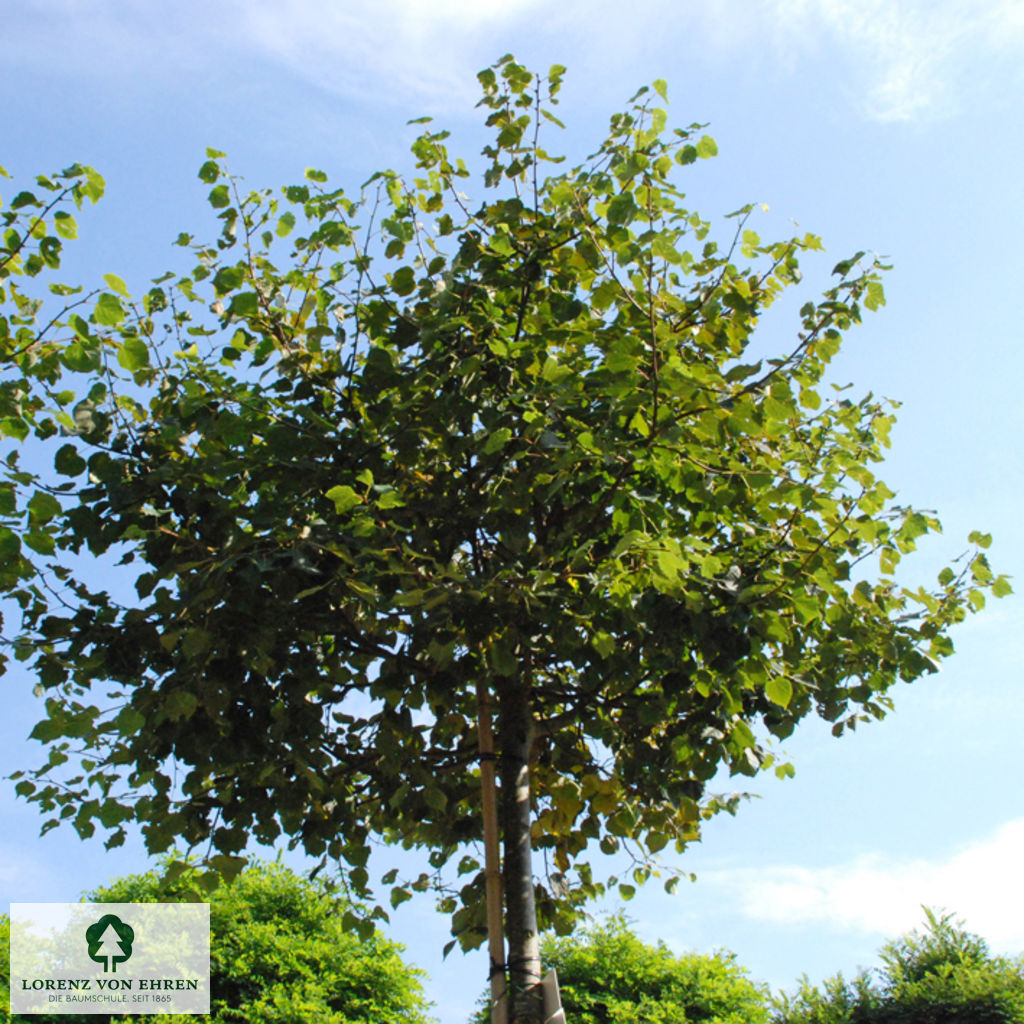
(526, 1004)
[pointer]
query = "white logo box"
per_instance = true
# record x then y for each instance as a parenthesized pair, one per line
(110, 958)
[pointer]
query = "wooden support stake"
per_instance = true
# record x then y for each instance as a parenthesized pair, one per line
(492, 859)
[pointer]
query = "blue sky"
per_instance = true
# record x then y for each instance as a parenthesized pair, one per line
(887, 125)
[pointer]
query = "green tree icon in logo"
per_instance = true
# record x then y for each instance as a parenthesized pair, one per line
(110, 941)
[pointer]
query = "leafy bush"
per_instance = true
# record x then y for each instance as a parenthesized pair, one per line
(942, 975)
(279, 955)
(609, 976)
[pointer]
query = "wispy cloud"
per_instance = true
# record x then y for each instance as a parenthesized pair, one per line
(896, 60)
(901, 59)
(381, 49)
(980, 883)
(906, 59)
(399, 48)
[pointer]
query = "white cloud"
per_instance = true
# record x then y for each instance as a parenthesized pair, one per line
(981, 884)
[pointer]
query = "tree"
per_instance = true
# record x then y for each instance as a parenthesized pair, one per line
(942, 975)
(279, 954)
(609, 976)
(434, 459)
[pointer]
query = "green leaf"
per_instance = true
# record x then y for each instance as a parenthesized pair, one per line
(843, 267)
(874, 296)
(497, 440)
(640, 425)
(108, 311)
(46, 730)
(43, 507)
(344, 498)
(403, 281)
(180, 704)
(82, 358)
(10, 546)
(227, 866)
(285, 224)
(554, 371)
(775, 410)
(244, 304)
(390, 499)
(622, 209)
(502, 659)
(219, 197)
(806, 606)
(116, 284)
(435, 798)
(779, 690)
(93, 186)
(707, 147)
(194, 644)
(915, 526)
(65, 224)
(604, 644)
(130, 720)
(209, 172)
(399, 896)
(12, 426)
(133, 354)
(227, 279)
(981, 571)
(41, 542)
